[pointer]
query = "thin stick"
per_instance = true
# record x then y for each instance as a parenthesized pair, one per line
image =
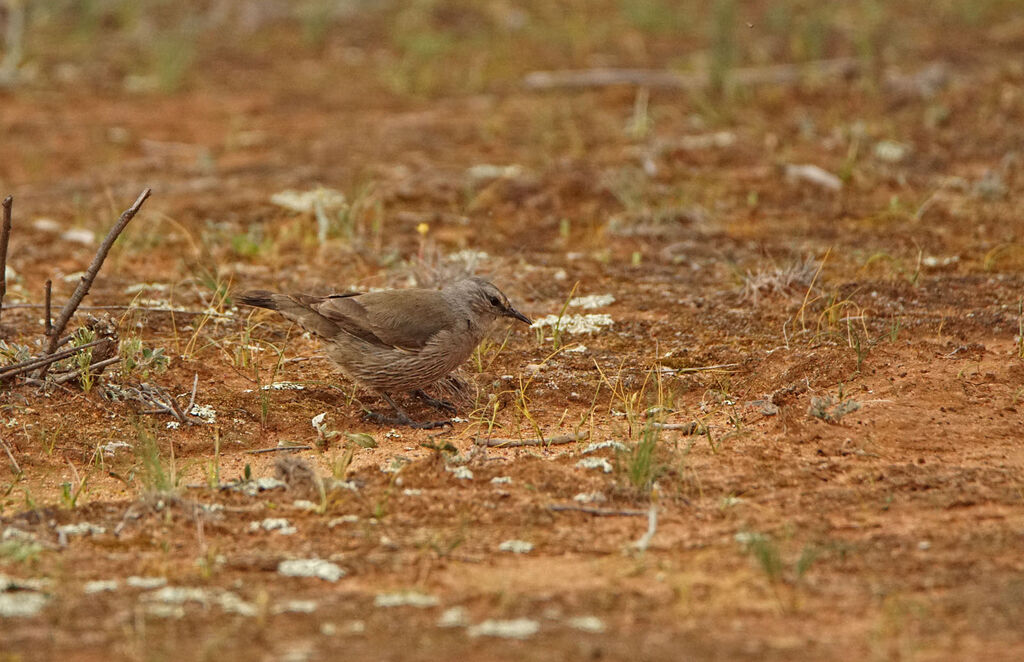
(778, 74)
(32, 364)
(601, 512)
(146, 309)
(48, 315)
(14, 463)
(95, 366)
(5, 236)
(192, 400)
(90, 275)
(516, 443)
(277, 449)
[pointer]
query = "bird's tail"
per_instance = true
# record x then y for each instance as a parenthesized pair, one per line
(296, 308)
(259, 299)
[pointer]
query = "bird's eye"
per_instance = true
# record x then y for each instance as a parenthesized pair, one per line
(495, 301)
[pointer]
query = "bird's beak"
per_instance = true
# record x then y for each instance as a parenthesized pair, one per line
(515, 314)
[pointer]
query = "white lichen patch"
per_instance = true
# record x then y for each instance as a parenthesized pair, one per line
(590, 497)
(587, 624)
(575, 324)
(205, 413)
(344, 519)
(519, 628)
(455, 617)
(595, 463)
(601, 445)
(307, 202)
(279, 524)
(146, 583)
(100, 586)
(461, 472)
(81, 529)
(405, 599)
(279, 386)
(21, 604)
(592, 301)
(501, 480)
(295, 607)
(516, 546)
(318, 568)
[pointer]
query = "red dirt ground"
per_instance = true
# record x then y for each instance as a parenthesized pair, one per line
(742, 299)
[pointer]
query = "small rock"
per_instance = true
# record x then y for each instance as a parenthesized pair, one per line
(405, 599)
(516, 546)
(595, 463)
(319, 568)
(519, 628)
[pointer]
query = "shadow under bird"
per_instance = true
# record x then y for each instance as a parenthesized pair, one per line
(397, 340)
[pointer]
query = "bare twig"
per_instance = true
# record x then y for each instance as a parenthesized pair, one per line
(516, 443)
(14, 463)
(601, 512)
(145, 309)
(38, 362)
(48, 315)
(192, 400)
(644, 541)
(5, 236)
(278, 449)
(778, 74)
(90, 275)
(99, 365)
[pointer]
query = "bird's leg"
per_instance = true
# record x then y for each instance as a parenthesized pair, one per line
(441, 405)
(401, 418)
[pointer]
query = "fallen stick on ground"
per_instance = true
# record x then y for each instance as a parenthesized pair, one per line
(5, 236)
(38, 362)
(601, 512)
(776, 74)
(278, 449)
(145, 309)
(90, 275)
(516, 443)
(67, 377)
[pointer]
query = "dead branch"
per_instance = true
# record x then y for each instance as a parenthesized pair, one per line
(601, 512)
(90, 275)
(516, 443)
(14, 463)
(48, 331)
(95, 367)
(778, 74)
(277, 449)
(145, 309)
(5, 236)
(38, 362)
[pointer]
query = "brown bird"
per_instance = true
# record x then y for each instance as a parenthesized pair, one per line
(397, 340)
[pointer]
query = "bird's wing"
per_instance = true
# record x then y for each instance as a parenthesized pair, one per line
(406, 319)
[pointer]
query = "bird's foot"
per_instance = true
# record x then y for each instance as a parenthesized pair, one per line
(403, 419)
(441, 405)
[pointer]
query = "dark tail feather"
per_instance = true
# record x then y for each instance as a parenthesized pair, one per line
(259, 299)
(296, 308)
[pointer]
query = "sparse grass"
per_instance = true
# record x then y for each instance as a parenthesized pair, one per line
(156, 476)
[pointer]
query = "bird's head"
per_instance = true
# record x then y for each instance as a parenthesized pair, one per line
(487, 300)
